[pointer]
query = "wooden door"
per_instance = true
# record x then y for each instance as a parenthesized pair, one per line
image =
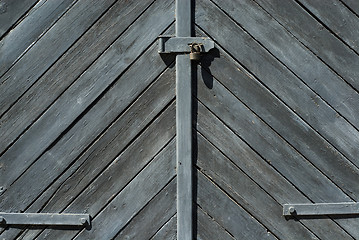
(88, 117)
(277, 117)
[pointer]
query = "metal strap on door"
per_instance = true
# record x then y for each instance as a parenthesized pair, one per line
(187, 49)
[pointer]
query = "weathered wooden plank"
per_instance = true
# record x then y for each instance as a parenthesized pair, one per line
(228, 213)
(48, 49)
(117, 175)
(88, 128)
(11, 11)
(266, 176)
(208, 229)
(266, 142)
(338, 18)
(131, 199)
(67, 69)
(42, 16)
(287, 123)
(114, 140)
(154, 215)
(353, 5)
(316, 37)
(85, 90)
(294, 93)
(168, 231)
(256, 201)
(300, 60)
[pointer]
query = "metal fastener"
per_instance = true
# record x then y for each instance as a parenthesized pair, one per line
(292, 210)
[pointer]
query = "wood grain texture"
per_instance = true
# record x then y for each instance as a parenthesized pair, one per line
(11, 11)
(315, 37)
(352, 5)
(227, 213)
(267, 177)
(208, 229)
(300, 60)
(294, 93)
(134, 196)
(48, 49)
(338, 18)
(81, 94)
(153, 216)
(42, 16)
(257, 201)
(168, 231)
(286, 122)
(116, 138)
(67, 69)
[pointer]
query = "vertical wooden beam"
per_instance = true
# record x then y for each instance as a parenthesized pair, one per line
(184, 125)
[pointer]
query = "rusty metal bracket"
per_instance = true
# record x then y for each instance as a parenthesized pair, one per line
(346, 208)
(51, 219)
(170, 44)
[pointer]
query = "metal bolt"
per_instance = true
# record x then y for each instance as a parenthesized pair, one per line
(83, 221)
(292, 210)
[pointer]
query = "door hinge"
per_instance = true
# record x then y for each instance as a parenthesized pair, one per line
(195, 46)
(316, 209)
(65, 219)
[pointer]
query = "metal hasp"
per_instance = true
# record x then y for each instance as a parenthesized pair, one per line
(348, 208)
(51, 219)
(171, 44)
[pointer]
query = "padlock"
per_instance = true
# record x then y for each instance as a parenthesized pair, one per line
(195, 54)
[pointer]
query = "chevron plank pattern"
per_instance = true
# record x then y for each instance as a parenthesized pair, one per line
(274, 122)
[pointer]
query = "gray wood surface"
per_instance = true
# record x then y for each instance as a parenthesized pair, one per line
(315, 37)
(338, 18)
(48, 49)
(227, 213)
(208, 229)
(168, 231)
(266, 176)
(29, 30)
(153, 216)
(67, 69)
(352, 5)
(82, 93)
(256, 200)
(287, 123)
(11, 11)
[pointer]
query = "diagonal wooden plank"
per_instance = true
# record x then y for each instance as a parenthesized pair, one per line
(208, 229)
(131, 199)
(67, 69)
(11, 11)
(294, 93)
(315, 37)
(256, 201)
(153, 143)
(300, 60)
(286, 123)
(48, 49)
(42, 16)
(227, 213)
(352, 5)
(262, 170)
(168, 231)
(85, 90)
(116, 138)
(79, 137)
(153, 216)
(336, 17)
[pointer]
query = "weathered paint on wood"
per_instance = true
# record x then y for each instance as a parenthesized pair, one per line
(11, 11)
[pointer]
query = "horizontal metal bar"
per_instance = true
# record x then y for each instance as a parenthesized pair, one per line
(347, 208)
(169, 44)
(67, 219)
